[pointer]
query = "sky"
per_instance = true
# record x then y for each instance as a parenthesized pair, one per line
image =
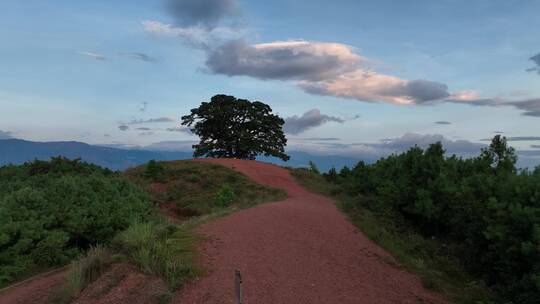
(348, 77)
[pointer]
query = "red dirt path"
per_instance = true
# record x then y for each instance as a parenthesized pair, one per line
(300, 250)
(35, 290)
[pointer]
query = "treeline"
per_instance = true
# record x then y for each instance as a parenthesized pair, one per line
(52, 211)
(485, 210)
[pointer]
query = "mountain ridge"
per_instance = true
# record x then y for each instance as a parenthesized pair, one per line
(18, 151)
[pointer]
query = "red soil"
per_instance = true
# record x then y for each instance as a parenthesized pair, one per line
(300, 250)
(36, 290)
(123, 283)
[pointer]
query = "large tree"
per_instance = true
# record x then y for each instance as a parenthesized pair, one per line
(236, 128)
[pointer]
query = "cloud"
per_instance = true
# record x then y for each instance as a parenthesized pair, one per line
(523, 138)
(197, 37)
(335, 69)
(140, 56)
(460, 147)
(312, 118)
(147, 133)
(126, 125)
(442, 122)
(151, 120)
(5, 134)
(142, 107)
(517, 138)
(531, 107)
(106, 135)
(368, 86)
(200, 23)
(180, 145)
(385, 147)
(95, 56)
(320, 68)
(529, 152)
(535, 146)
(207, 13)
(536, 60)
(283, 60)
(315, 138)
(180, 129)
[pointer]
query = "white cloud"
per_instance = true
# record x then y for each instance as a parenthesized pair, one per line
(5, 134)
(195, 36)
(95, 56)
(321, 68)
(151, 120)
(298, 59)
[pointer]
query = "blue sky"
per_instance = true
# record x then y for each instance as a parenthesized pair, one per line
(365, 73)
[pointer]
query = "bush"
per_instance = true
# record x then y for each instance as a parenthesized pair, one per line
(225, 196)
(50, 212)
(161, 249)
(153, 170)
(484, 208)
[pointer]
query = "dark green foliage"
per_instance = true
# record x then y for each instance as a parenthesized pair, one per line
(486, 210)
(236, 128)
(225, 195)
(153, 169)
(52, 211)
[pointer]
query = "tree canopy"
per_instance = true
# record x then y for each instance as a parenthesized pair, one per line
(51, 211)
(236, 128)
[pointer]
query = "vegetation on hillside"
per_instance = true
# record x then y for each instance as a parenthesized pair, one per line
(439, 215)
(52, 211)
(189, 188)
(57, 211)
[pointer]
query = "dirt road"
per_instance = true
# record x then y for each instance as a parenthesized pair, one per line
(300, 250)
(36, 290)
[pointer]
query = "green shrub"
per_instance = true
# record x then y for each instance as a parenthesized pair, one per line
(194, 178)
(50, 212)
(225, 196)
(161, 249)
(153, 169)
(486, 211)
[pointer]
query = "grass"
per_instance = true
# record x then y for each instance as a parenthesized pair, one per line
(82, 272)
(427, 258)
(164, 248)
(198, 188)
(160, 248)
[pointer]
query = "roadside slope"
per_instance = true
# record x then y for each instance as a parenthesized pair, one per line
(35, 290)
(300, 250)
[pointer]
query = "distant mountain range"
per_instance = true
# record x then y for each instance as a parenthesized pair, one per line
(17, 151)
